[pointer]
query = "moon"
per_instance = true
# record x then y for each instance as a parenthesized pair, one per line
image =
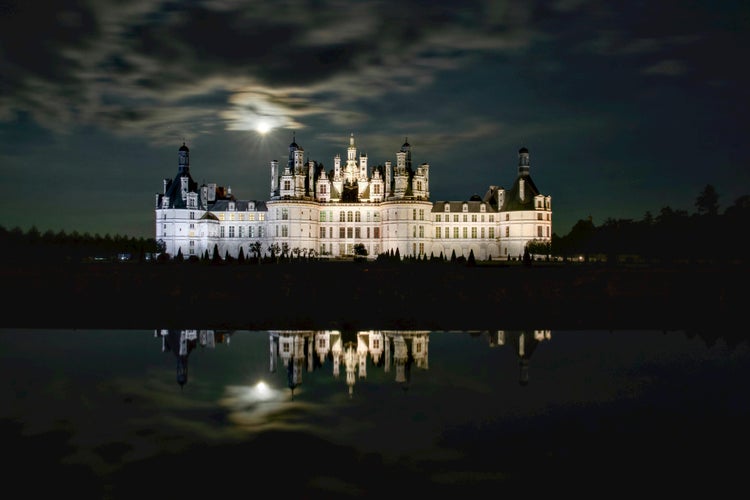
(263, 127)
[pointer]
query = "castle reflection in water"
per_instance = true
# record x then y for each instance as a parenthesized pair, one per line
(350, 353)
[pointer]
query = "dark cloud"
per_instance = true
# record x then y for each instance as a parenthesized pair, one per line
(35, 40)
(161, 51)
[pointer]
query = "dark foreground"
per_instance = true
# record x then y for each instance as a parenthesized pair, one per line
(371, 295)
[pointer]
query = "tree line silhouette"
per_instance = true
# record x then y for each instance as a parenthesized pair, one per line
(74, 247)
(706, 235)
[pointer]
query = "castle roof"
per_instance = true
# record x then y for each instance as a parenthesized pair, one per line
(174, 190)
(513, 201)
(457, 207)
(239, 206)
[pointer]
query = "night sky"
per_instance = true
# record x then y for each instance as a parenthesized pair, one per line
(625, 107)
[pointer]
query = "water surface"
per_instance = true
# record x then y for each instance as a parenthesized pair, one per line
(121, 413)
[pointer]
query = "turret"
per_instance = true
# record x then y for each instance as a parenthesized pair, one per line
(274, 178)
(406, 148)
(183, 159)
(293, 147)
(523, 162)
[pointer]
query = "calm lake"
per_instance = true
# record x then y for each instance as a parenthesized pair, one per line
(329, 414)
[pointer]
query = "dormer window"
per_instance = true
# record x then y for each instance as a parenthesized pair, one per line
(251, 205)
(482, 208)
(465, 208)
(231, 206)
(447, 207)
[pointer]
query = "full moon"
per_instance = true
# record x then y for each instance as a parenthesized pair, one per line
(263, 127)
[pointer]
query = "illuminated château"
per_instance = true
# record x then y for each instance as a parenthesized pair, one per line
(383, 209)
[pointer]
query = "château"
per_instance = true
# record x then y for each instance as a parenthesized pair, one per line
(352, 209)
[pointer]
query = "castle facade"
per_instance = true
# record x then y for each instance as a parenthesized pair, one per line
(351, 209)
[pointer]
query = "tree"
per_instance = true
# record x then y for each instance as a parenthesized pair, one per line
(471, 262)
(274, 250)
(539, 247)
(255, 249)
(360, 250)
(707, 202)
(740, 209)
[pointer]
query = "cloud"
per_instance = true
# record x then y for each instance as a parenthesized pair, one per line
(670, 67)
(148, 68)
(132, 67)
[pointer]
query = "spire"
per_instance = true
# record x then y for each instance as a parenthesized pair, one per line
(351, 140)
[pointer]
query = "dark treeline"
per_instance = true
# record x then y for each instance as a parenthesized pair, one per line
(74, 247)
(706, 235)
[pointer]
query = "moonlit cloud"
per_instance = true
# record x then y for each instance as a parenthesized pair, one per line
(666, 68)
(126, 67)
